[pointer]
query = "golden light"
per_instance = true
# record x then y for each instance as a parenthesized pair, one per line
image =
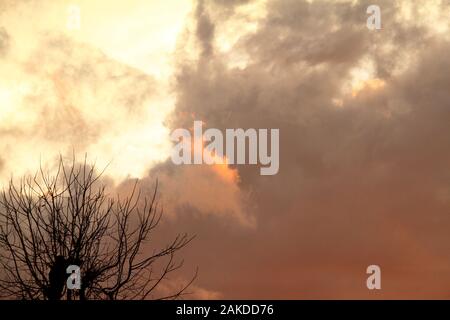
(370, 84)
(136, 34)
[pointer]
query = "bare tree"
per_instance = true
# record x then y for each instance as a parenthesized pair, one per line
(48, 222)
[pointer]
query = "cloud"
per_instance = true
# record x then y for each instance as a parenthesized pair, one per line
(205, 29)
(4, 42)
(192, 293)
(60, 94)
(359, 180)
(200, 190)
(363, 118)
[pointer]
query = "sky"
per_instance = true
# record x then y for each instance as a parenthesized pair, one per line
(364, 176)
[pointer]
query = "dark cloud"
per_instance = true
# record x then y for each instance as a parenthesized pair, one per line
(364, 183)
(205, 29)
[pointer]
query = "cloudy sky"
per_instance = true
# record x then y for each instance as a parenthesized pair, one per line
(364, 119)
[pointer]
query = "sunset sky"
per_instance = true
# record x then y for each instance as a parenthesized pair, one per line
(364, 119)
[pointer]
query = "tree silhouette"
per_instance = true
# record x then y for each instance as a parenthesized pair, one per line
(50, 222)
